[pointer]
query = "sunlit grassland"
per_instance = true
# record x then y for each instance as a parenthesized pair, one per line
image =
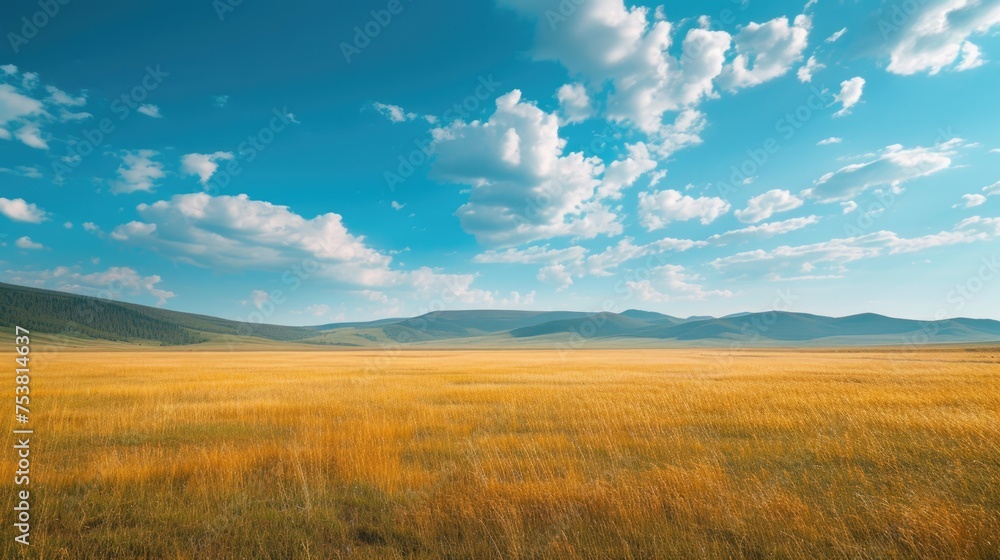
(513, 454)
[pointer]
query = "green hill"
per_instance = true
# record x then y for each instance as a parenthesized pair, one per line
(59, 313)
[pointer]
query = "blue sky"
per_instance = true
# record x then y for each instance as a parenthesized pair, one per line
(305, 164)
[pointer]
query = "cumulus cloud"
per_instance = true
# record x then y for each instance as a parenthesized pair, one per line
(850, 94)
(234, 231)
(893, 166)
(20, 211)
(625, 172)
(574, 103)
(658, 208)
(113, 283)
(829, 141)
(619, 51)
(849, 206)
(203, 165)
(990, 190)
(524, 187)
(764, 206)
(937, 34)
(766, 51)
(239, 233)
(137, 172)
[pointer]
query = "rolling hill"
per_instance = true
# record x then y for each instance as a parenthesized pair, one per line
(94, 319)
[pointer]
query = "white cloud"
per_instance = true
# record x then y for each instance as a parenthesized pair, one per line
(203, 165)
(765, 231)
(20, 211)
(259, 298)
(234, 231)
(397, 206)
(23, 171)
(113, 283)
(26, 243)
(766, 51)
(532, 255)
(60, 97)
(830, 140)
(892, 167)
(972, 57)
(970, 201)
(556, 275)
(69, 116)
(574, 103)
(150, 111)
(23, 112)
(836, 36)
(833, 255)
(850, 94)
(138, 172)
(990, 190)
(849, 206)
(764, 206)
(220, 100)
(394, 113)
(240, 233)
(624, 173)
(805, 73)
(659, 208)
(561, 266)
(318, 310)
(31, 135)
(524, 187)
(619, 51)
(937, 34)
(672, 283)
(91, 227)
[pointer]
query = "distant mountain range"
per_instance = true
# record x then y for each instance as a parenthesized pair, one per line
(84, 319)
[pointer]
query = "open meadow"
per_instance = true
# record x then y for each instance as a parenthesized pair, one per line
(513, 454)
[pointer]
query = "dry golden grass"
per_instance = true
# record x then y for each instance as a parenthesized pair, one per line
(515, 454)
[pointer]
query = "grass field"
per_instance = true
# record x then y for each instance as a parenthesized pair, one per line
(513, 454)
